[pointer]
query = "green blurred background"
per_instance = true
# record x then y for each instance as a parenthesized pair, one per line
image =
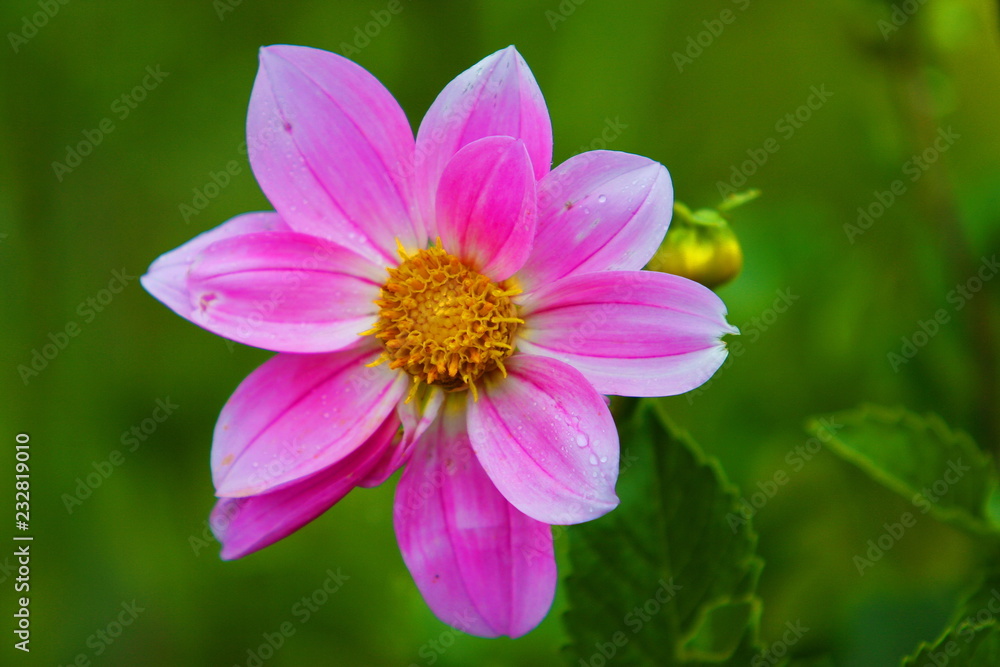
(141, 536)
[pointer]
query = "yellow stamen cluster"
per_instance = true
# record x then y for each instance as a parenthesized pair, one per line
(443, 322)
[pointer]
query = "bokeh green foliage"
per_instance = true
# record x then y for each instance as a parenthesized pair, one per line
(850, 300)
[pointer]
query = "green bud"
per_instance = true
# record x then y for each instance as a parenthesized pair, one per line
(701, 246)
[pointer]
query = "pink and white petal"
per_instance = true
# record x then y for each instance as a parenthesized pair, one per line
(631, 333)
(416, 416)
(486, 206)
(598, 211)
(482, 566)
(298, 414)
(246, 525)
(547, 440)
(497, 96)
(328, 145)
(283, 291)
(166, 278)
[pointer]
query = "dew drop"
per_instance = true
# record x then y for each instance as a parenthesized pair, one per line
(581, 440)
(593, 460)
(604, 459)
(602, 199)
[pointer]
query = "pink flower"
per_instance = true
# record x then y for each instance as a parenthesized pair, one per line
(447, 303)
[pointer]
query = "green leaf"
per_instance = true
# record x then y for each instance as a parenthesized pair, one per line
(965, 645)
(939, 470)
(668, 578)
(983, 604)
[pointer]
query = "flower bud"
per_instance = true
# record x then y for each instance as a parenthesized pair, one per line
(700, 246)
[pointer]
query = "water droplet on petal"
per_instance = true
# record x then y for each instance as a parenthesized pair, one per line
(582, 440)
(602, 199)
(593, 460)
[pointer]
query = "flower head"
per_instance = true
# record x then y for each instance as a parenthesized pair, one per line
(447, 304)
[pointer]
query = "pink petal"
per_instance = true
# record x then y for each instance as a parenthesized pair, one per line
(547, 440)
(283, 291)
(486, 206)
(497, 96)
(631, 333)
(326, 143)
(297, 414)
(166, 279)
(417, 416)
(598, 211)
(246, 525)
(482, 566)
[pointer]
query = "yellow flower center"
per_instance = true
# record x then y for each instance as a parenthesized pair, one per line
(443, 322)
